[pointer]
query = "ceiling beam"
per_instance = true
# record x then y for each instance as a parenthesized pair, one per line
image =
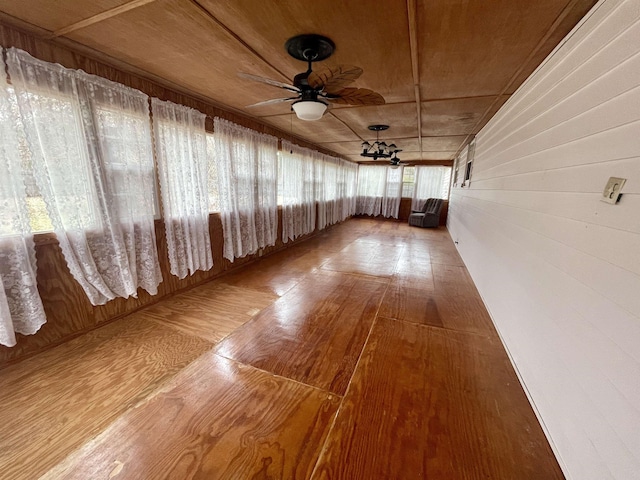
(415, 65)
(99, 17)
(235, 36)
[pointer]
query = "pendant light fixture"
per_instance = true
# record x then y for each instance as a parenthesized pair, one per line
(379, 149)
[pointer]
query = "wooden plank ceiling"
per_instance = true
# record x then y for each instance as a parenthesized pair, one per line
(444, 67)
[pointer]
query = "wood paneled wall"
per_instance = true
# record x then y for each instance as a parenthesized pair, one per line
(69, 312)
(558, 269)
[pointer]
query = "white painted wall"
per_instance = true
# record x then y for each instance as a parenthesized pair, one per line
(558, 269)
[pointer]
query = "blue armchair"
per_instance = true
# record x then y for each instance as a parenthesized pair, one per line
(429, 215)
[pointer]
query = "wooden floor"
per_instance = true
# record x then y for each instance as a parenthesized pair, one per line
(363, 353)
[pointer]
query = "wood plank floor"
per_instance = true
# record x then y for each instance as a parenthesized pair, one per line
(362, 353)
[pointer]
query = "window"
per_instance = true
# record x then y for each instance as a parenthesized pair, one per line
(37, 210)
(379, 190)
(468, 168)
(431, 182)
(460, 166)
(89, 148)
(247, 166)
(119, 133)
(296, 172)
(408, 181)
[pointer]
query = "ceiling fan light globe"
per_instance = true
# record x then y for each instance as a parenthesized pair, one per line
(309, 110)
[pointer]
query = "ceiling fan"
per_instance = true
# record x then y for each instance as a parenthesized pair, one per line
(379, 149)
(312, 91)
(395, 162)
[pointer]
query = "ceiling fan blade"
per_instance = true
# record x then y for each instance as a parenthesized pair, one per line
(333, 79)
(356, 96)
(268, 81)
(269, 102)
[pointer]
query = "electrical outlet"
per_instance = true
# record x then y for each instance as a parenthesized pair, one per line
(611, 193)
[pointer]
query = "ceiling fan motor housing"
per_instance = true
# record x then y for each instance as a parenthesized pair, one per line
(310, 47)
(309, 95)
(314, 91)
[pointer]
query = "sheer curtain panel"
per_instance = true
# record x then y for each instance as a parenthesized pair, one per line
(332, 189)
(20, 305)
(351, 189)
(296, 184)
(247, 170)
(347, 185)
(430, 182)
(90, 146)
(372, 180)
(321, 190)
(181, 149)
(392, 192)
(379, 190)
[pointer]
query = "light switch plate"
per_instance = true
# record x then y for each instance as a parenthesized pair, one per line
(611, 193)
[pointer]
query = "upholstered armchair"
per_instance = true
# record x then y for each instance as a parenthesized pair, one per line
(429, 215)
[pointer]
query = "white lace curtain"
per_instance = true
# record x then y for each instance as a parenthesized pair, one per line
(392, 192)
(430, 182)
(350, 189)
(247, 171)
(335, 181)
(371, 183)
(323, 191)
(297, 190)
(181, 149)
(20, 305)
(379, 190)
(90, 145)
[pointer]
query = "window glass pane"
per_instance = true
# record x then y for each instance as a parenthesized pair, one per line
(120, 132)
(408, 181)
(409, 174)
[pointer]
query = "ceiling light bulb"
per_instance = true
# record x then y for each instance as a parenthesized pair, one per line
(309, 110)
